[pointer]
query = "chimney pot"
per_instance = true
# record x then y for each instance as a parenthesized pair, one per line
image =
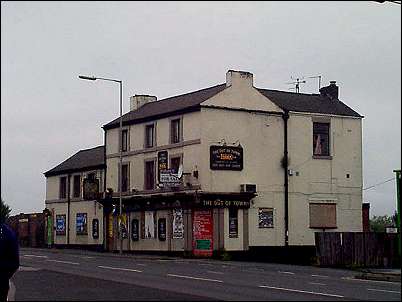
(331, 91)
(239, 78)
(140, 100)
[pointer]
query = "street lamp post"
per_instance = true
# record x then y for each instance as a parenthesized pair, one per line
(120, 151)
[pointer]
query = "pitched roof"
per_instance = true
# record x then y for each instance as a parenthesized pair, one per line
(313, 103)
(82, 160)
(291, 101)
(169, 106)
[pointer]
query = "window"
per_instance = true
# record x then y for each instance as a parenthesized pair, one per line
(81, 224)
(149, 175)
(63, 187)
(91, 176)
(175, 163)
(233, 223)
(124, 178)
(124, 140)
(77, 186)
(321, 139)
(149, 136)
(175, 131)
(322, 215)
(265, 218)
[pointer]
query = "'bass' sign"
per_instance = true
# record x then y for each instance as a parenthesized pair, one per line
(226, 158)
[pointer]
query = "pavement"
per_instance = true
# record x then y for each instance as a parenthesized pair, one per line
(392, 275)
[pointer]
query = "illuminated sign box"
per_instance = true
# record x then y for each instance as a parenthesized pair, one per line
(226, 158)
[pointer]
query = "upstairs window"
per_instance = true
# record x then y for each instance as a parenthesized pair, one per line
(175, 163)
(63, 187)
(124, 178)
(175, 131)
(124, 140)
(149, 175)
(149, 136)
(321, 139)
(77, 186)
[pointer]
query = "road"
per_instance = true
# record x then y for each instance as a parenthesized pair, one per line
(78, 275)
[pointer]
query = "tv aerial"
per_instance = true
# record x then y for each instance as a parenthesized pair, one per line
(297, 83)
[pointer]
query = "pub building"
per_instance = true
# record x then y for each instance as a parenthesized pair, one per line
(232, 167)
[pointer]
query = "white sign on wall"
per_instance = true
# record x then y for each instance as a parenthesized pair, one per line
(178, 225)
(149, 224)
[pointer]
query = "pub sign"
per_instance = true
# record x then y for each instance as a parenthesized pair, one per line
(226, 158)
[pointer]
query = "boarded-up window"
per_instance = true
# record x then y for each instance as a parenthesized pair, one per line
(322, 215)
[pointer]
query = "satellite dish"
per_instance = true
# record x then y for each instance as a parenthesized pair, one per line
(180, 171)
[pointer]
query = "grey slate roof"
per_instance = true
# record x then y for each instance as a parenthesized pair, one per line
(313, 103)
(82, 160)
(169, 106)
(291, 101)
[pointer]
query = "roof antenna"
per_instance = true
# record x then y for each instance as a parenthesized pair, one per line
(319, 80)
(297, 83)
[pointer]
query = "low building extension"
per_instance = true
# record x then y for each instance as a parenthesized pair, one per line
(75, 215)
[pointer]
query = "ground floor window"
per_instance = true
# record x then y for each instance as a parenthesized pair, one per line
(322, 215)
(233, 223)
(265, 218)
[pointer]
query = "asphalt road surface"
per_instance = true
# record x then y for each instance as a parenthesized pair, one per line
(78, 275)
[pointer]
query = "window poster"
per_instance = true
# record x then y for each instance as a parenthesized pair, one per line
(162, 229)
(135, 235)
(60, 224)
(266, 218)
(95, 228)
(81, 224)
(149, 224)
(203, 233)
(178, 225)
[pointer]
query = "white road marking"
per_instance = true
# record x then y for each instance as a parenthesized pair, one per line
(65, 262)
(289, 273)
(37, 256)
(120, 269)
(28, 269)
(319, 276)
(140, 264)
(383, 290)
(87, 257)
(301, 291)
(195, 278)
(213, 272)
(373, 281)
(316, 283)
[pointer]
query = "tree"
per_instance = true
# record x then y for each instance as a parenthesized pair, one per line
(4, 211)
(379, 223)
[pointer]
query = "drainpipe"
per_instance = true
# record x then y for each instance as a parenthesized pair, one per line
(285, 163)
(68, 208)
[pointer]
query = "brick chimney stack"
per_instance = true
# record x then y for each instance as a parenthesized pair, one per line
(331, 91)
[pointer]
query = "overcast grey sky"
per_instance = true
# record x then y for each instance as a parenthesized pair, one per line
(169, 48)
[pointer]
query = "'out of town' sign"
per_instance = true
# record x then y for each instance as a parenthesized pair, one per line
(226, 158)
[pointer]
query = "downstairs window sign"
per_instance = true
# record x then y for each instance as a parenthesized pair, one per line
(226, 158)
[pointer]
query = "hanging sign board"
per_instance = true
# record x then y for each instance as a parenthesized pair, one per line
(91, 189)
(226, 158)
(162, 163)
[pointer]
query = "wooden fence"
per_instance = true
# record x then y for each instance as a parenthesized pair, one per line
(357, 249)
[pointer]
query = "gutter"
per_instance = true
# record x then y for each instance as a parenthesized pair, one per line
(68, 207)
(285, 165)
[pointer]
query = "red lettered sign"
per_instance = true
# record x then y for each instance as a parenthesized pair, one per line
(203, 233)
